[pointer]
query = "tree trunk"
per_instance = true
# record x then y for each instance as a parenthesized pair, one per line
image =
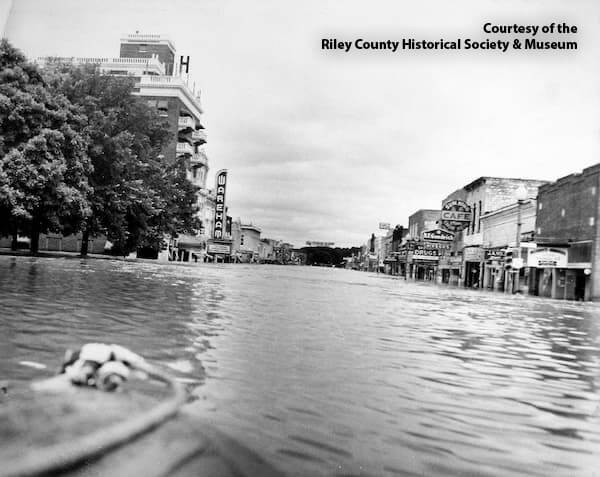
(85, 241)
(35, 235)
(15, 239)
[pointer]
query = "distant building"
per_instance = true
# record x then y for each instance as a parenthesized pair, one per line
(246, 242)
(266, 253)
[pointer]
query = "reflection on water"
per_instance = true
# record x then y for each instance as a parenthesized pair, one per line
(334, 372)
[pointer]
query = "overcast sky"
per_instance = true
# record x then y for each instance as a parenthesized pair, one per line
(325, 145)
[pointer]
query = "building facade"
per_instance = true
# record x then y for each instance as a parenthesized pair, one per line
(246, 244)
(566, 264)
(419, 257)
(507, 234)
(463, 263)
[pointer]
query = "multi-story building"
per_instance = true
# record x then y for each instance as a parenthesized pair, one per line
(421, 259)
(507, 234)
(245, 242)
(464, 262)
(151, 59)
(566, 262)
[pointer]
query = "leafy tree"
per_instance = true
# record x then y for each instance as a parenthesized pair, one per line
(43, 160)
(138, 194)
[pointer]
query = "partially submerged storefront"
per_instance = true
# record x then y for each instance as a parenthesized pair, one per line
(493, 268)
(449, 266)
(558, 272)
(473, 258)
(423, 262)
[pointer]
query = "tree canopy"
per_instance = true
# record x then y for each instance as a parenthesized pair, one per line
(80, 152)
(327, 255)
(44, 166)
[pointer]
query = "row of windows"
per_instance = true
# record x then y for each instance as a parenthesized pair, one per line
(160, 104)
(591, 222)
(476, 220)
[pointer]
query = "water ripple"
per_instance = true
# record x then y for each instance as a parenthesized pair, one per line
(334, 372)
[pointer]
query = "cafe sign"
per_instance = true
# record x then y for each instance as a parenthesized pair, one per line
(455, 216)
(547, 258)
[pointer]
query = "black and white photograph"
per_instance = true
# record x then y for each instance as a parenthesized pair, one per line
(329, 238)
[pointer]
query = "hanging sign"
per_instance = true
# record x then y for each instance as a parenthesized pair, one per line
(455, 216)
(437, 235)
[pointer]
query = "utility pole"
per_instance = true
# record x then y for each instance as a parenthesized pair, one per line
(521, 194)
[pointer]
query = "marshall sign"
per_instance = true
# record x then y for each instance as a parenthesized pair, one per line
(220, 219)
(456, 216)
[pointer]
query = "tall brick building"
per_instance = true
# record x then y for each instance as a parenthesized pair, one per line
(567, 259)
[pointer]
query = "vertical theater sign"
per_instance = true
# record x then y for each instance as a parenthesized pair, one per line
(220, 245)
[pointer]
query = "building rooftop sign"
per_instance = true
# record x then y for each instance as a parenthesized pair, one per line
(312, 243)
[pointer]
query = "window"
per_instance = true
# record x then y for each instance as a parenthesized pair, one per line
(539, 230)
(540, 206)
(479, 219)
(580, 252)
(562, 212)
(592, 221)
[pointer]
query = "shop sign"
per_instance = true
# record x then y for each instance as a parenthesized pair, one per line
(495, 254)
(437, 246)
(421, 253)
(517, 263)
(473, 254)
(220, 218)
(438, 235)
(219, 248)
(453, 262)
(547, 258)
(455, 216)
(527, 236)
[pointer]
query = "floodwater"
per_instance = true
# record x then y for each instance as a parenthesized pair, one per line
(334, 372)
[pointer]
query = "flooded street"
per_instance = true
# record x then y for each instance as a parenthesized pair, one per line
(334, 372)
